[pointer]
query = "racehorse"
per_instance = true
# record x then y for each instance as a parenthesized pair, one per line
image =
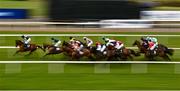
(31, 48)
(97, 54)
(74, 54)
(125, 53)
(67, 48)
(161, 51)
(51, 49)
(111, 53)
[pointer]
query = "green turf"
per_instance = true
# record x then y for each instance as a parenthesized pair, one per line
(35, 7)
(82, 76)
(7, 54)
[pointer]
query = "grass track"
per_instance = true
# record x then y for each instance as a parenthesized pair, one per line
(82, 76)
(6, 54)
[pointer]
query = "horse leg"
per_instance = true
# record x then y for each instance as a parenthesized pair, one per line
(166, 57)
(30, 52)
(109, 58)
(131, 58)
(47, 54)
(16, 52)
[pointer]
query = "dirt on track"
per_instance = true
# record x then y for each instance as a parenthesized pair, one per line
(49, 29)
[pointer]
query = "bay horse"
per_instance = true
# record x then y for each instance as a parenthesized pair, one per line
(125, 53)
(97, 54)
(74, 54)
(51, 49)
(113, 54)
(69, 51)
(161, 51)
(31, 48)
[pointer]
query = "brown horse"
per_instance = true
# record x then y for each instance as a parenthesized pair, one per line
(69, 51)
(51, 49)
(68, 48)
(31, 48)
(111, 53)
(161, 51)
(125, 53)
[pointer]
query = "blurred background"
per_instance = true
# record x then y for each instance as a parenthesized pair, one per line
(88, 10)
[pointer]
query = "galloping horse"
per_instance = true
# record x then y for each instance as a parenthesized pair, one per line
(68, 48)
(51, 49)
(97, 54)
(161, 51)
(31, 48)
(125, 53)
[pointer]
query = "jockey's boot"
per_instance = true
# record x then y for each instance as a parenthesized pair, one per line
(25, 46)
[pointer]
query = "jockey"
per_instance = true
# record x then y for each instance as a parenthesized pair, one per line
(154, 40)
(78, 46)
(109, 42)
(56, 43)
(145, 42)
(72, 40)
(26, 41)
(88, 41)
(119, 45)
(100, 47)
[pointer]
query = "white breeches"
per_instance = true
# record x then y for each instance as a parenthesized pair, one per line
(98, 48)
(109, 43)
(119, 46)
(80, 47)
(57, 44)
(27, 41)
(89, 44)
(103, 48)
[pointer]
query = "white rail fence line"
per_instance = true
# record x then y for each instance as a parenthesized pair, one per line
(101, 22)
(123, 35)
(89, 62)
(13, 47)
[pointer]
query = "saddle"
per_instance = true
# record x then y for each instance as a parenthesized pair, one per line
(26, 46)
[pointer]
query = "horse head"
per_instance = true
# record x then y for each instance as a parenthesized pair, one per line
(136, 42)
(64, 43)
(46, 46)
(19, 43)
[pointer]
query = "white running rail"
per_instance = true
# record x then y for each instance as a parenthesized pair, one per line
(89, 62)
(123, 35)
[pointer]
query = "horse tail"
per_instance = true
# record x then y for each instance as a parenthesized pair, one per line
(167, 50)
(170, 51)
(41, 48)
(134, 53)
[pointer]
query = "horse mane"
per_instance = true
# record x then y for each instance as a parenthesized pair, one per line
(65, 43)
(19, 41)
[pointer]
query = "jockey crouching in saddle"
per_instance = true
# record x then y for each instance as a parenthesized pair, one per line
(26, 41)
(153, 44)
(101, 48)
(76, 45)
(89, 42)
(117, 44)
(56, 43)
